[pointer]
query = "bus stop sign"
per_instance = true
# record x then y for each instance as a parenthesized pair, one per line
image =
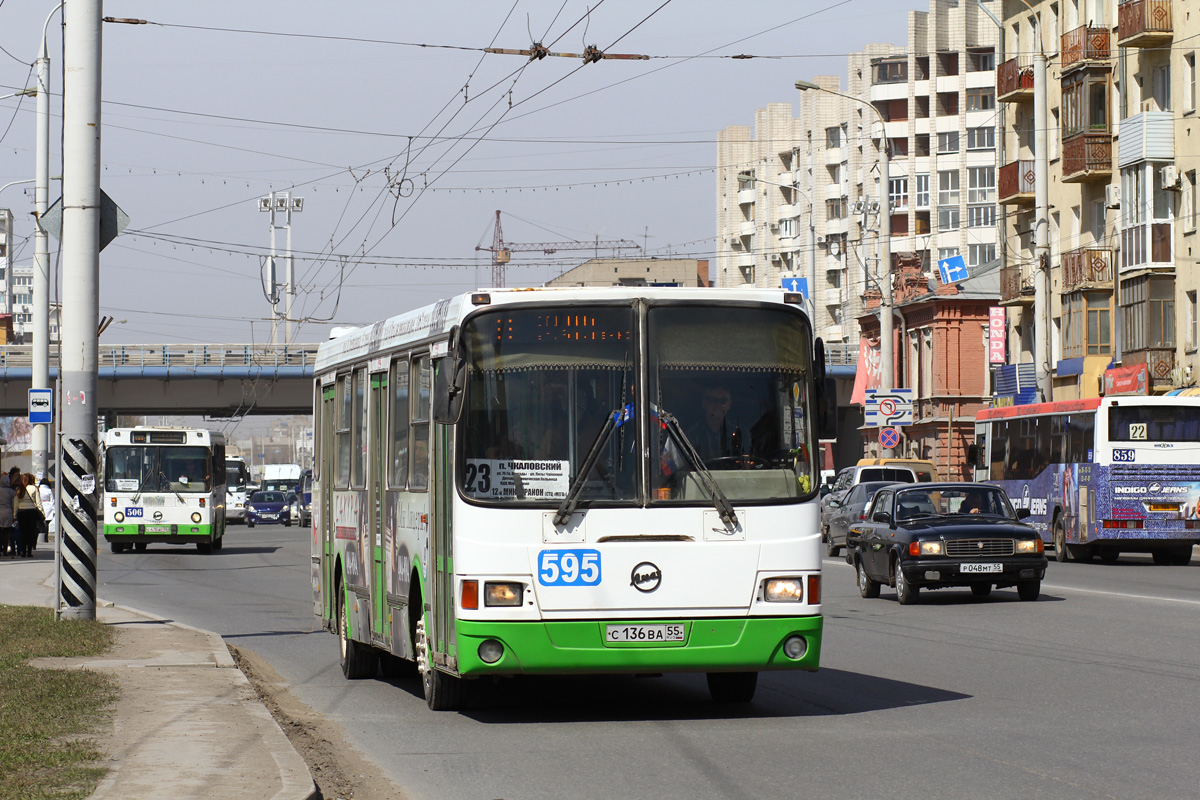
(41, 406)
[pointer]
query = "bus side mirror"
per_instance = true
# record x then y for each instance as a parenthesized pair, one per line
(826, 394)
(449, 379)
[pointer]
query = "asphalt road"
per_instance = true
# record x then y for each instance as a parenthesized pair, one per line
(1091, 692)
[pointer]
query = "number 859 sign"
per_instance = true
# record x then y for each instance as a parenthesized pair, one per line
(569, 567)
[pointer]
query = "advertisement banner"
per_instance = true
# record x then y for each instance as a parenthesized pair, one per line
(869, 371)
(996, 338)
(1134, 379)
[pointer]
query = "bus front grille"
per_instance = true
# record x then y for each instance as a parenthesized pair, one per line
(973, 548)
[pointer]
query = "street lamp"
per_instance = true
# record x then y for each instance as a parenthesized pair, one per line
(887, 377)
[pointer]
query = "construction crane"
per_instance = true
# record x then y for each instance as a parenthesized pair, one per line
(502, 251)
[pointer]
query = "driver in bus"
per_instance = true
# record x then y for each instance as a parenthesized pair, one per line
(713, 436)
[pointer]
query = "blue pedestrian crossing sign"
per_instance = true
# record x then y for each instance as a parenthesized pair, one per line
(953, 269)
(796, 285)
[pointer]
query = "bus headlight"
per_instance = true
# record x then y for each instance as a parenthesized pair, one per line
(196, 517)
(119, 517)
(501, 594)
(1029, 546)
(784, 590)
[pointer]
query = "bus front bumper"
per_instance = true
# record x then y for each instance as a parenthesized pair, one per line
(579, 647)
(155, 534)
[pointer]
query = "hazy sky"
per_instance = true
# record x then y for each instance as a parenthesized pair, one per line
(404, 153)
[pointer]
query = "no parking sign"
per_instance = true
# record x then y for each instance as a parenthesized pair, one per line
(889, 438)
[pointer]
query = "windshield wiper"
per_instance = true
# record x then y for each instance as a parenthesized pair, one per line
(616, 418)
(167, 481)
(724, 507)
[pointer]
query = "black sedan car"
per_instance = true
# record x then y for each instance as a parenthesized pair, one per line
(936, 535)
(846, 510)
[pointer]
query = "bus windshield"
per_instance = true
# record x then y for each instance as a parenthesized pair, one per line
(1157, 423)
(237, 474)
(737, 380)
(153, 468)
(545, 386)
(541, 384)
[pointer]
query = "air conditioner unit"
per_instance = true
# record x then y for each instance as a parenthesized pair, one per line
(1112, 196)
(820, 239)
(774, 226)
(776, 257)
(1170, 176)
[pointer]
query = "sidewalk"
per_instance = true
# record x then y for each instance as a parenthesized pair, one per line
(187, 724)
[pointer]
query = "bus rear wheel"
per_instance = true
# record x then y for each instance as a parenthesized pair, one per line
(1060, 540)
(358, 659)
(442, 692)
(732, 687)
(1173, 556)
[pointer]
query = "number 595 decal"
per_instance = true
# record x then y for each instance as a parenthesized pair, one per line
(569, 567)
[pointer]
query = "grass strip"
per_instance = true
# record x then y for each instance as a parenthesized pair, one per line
(47, 715)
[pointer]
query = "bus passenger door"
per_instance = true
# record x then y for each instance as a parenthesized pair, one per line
(376, 464)
(324, 602)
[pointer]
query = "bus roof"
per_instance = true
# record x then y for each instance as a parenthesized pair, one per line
(195, 436)
(1087, 404)
(435, 321)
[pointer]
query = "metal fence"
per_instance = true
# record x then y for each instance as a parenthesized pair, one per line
(179, 355)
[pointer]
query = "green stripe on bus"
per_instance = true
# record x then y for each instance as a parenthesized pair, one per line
(712, 645)
(180, 530)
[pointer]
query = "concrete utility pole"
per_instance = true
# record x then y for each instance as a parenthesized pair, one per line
(285, 203)
(81, 273)
(41, 247)
(1041, 225)
(887, 362)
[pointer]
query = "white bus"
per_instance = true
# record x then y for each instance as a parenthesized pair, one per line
(1100, 476)
(164, 486)
(515, 482)
(237, 485)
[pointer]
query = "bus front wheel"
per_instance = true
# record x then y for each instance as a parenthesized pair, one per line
(732, 687)
(442, 692)
(358, 659)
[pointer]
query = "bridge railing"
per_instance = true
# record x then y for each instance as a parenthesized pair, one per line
(179, 355)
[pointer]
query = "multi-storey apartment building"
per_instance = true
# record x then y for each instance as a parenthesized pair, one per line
(1122, 147)
(806, 197)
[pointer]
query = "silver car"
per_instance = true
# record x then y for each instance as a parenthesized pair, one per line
(847, 510)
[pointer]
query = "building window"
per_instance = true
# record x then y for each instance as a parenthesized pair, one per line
(787, 227)
(948, 188)
(980, 254)
(981, 61)
(835, 208)
(1148, 312)
(949, 218)
(1084, 104)
(898, 194)
(833, 137)
(891, 72)
(1188, 211)
(982, 98)
(1162, 87)
(947, 104)
(922, 191)
(981, 138)
(1189, 82)
(981, 216)
(947, 252)
(1087, 326)
(1191, 301)
(981, 184)
(948, 142)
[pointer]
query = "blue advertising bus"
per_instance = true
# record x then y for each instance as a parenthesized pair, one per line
(1099, 476)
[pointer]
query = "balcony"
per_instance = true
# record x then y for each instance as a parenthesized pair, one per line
(1087, 157)
(1016, 285)
(1015, 184)
(1159, 363)
(1146, 246)
(1085, 47)
(833, 297)
(1144, 23)
(1087, 268)
(746, 196)
(1014, 80)
(746, 228)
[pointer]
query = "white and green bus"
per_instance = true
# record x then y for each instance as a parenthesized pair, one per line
(164, 486)
(533, 482)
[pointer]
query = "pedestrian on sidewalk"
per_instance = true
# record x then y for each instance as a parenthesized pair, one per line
(46, 491)
(28, 510)
(8, 538)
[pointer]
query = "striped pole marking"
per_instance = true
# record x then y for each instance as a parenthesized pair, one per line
(77, 526)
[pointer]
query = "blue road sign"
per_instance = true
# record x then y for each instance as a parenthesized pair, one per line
(796, 285)
(41, 406)
(953, 269)
(889, 438)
